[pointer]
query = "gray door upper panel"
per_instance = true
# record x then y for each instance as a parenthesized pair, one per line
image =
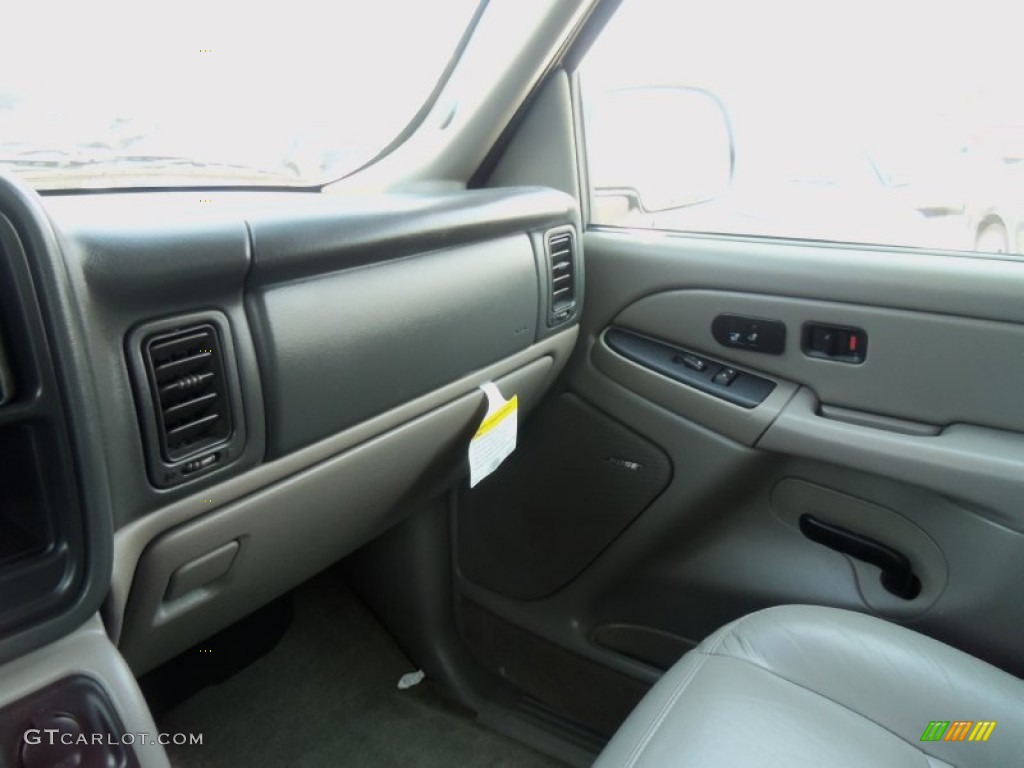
(935, 402)
(920, 366)
(624, 266)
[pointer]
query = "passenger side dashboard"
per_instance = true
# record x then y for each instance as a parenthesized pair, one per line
(265, 378)
(329, 314)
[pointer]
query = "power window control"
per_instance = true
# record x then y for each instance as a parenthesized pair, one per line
(705, 374)
(725, 377)
(692, 361)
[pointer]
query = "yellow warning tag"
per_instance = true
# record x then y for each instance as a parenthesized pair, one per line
(496, 437)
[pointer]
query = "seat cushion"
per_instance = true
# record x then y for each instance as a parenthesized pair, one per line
(810, 686)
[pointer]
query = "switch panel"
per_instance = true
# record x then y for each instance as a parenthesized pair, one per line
(750, 333)
(835, 342)
(723, 381)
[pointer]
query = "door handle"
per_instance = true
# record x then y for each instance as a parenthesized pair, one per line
(835, 342)
(897, 574)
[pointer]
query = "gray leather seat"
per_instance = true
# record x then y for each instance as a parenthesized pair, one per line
(802, 686)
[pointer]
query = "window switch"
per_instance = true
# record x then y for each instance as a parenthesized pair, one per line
(725, 377)
(692, 361)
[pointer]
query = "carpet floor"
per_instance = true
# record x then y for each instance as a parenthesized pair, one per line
(326, 695)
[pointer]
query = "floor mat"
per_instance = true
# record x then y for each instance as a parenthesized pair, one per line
(326, 695)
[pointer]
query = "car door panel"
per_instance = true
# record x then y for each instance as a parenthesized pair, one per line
(917, 448)
(528, 540)
(981, 466)
(626, 265)
(735, 422)
(919, 366)
(926, 363)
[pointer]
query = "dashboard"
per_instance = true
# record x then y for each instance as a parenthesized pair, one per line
(209, 396)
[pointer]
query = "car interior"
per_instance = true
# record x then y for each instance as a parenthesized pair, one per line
(763, 507)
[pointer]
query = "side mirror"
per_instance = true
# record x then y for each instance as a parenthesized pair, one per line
(658, 147)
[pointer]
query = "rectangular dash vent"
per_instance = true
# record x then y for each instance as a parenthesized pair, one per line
(562, 261)
(185, 369)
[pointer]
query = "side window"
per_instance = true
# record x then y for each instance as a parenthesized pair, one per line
(870, 122)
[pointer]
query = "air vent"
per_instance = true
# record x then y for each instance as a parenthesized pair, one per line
(562, 262)
(185, 369)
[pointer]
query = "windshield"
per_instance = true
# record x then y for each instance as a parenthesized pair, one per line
(116, 93)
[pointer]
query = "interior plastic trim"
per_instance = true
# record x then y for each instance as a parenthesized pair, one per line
(132, 539)
(980, 465)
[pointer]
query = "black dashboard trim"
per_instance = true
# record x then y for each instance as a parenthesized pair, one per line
(26, 227)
